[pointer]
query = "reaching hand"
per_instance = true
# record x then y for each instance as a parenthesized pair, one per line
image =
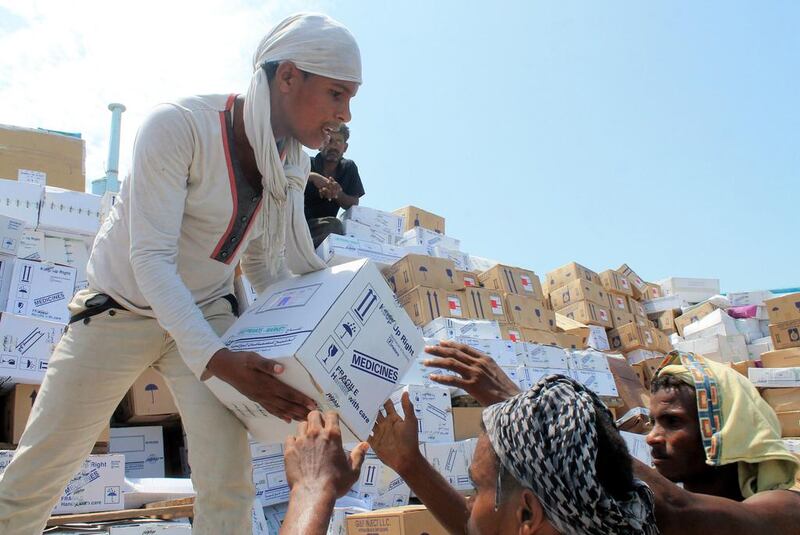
(254, 376)
(395, 440)
(480, 376)
(315, 460)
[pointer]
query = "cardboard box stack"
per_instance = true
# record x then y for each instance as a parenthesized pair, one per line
(779, 383)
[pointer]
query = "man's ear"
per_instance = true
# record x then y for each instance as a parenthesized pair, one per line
(530, 513)
(344, 149)
(286, 76)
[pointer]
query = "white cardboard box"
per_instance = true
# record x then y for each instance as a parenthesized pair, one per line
(749, 327)
(530, 375)
(639, 355)
(27, 344)
(31, 245)
(41, 290)
(96, 487)
(245, 294)
(269, 473)
(380, 485)
(717, 323)
(719, 348)
(143, 448)
(460, 259)
(6, 271)
(337, 250)
(544, 356)
(21, 200)
(68, 252)
(452, 460)
(449, 328)
(691, 290)
(637, 447)
(343, 340)
(429, 238)
(588, 360)
(376, 219)
(774, 377)
(660, 304)
(598, 339)
(432, 407)
(759, 347)
(11, 230)
(72, 212)
(152, 528)
(363, 232)
(274, 515)
(739, 299)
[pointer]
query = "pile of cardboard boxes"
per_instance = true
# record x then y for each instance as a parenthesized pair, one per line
(353, 335)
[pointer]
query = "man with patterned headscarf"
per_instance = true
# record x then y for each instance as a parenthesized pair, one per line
(215, 180)
(550, 461)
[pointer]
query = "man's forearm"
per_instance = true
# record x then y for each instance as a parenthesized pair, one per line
(309, 512)
(443, 501)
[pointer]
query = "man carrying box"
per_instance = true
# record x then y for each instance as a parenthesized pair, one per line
(214, 179)
(333, 183)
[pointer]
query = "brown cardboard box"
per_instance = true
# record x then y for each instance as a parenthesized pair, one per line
(782, 358)
(620, 318)
(575, 328)
(642, 321)
(509, 331)
(570, 341)
(470, 279)
(538, 337)
(664, 320)
(630, 389)
(743, 366)
(784, 308)
(630, 337)
(17, 406)
(619, 302)
(571, 272)
(579, 290)
(420, 270)
(653, 291)
(406, 520)
(424, 304)
(59, 156)
(417, 217)
(649, 367)
(615, 282)
(638, 369)
(790, 423)
(638, 285)
(512, 280)
(529, 312)
(588, 313)
(782, 399)
(692, 315)
(785, 334)
(662, 342)
(636, 307)
(467, 422)
(148, 400)
(486, 304)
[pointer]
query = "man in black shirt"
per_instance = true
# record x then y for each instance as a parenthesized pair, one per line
(332, 184)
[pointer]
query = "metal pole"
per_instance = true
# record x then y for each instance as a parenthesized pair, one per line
(112, 172)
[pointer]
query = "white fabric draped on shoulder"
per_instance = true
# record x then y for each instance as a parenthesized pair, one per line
(319, 45)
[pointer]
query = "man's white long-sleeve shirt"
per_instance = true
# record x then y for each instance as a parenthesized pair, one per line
(183, 219)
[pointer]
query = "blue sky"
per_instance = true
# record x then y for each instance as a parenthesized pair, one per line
(661, 134)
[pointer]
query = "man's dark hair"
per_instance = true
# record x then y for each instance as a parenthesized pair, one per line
(668, 382)
(271, 69)
(345, 131)
(613, 464)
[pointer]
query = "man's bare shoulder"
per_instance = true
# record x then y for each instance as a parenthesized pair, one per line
(780, 498)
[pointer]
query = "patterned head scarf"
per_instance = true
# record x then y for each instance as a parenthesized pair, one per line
(547, 439)
(319, 45)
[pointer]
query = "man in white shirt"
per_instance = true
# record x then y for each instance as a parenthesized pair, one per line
(215, 179)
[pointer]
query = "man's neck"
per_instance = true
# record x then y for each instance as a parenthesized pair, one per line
(722, 481)
(329, 167)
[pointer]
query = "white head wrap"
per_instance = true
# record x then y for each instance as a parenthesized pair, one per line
(319, 45)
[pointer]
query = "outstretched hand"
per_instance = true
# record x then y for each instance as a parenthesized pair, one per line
(395, 439)
(315, 459)
(478, 374)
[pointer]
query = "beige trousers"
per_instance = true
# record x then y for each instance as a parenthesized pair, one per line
(89, 372)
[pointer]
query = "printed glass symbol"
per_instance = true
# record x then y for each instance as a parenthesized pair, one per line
(332, 352)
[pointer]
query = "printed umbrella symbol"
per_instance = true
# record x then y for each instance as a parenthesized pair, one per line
(538, 313)
(348, 329)
(150, 387)
(449, 274)
(423, 269)
(33, 397)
